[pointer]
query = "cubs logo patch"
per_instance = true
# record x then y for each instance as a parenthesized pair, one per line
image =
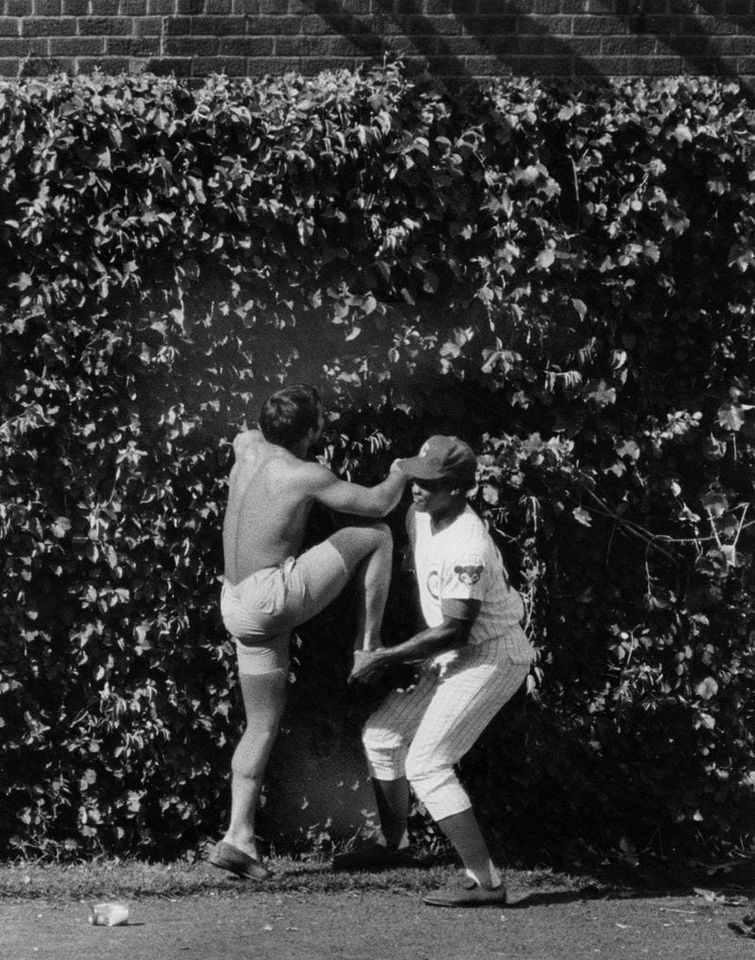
(433, 584)
(469, 575)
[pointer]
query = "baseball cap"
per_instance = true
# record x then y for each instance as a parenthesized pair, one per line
(442, 457)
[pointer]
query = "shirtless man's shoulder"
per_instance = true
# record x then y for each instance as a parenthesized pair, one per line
(253, 453)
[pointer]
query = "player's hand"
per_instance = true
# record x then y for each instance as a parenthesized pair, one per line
(369, 666)
(396, 469)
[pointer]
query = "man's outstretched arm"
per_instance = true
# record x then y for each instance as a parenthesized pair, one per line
(354, 498)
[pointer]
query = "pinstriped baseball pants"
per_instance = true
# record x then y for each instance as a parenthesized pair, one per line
(422, 733)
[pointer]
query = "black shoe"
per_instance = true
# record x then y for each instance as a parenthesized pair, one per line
(374, 856)
(467, 894)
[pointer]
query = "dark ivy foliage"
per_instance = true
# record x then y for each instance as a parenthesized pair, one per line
(563, 278)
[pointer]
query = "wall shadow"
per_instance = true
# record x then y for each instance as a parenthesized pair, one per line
(521, 43)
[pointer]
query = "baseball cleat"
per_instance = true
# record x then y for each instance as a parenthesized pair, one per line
(467, 894)
(374, 856)
(227, 857)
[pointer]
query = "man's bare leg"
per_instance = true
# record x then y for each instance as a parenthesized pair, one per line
(264, 699)
(367, 555)
(372, 580)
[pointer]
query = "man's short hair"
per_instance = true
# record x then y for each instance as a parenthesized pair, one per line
(289, 414)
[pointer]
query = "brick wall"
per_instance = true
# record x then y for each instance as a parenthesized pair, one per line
(465, 38)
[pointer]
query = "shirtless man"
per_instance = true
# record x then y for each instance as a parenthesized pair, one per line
(269, 588)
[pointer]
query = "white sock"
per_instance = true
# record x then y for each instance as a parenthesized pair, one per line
(493, 879)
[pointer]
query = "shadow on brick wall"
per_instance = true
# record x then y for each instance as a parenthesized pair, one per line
(673, 36)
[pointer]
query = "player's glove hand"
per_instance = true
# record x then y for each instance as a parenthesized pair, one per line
(369, 666)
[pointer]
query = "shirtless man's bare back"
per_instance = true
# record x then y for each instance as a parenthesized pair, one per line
(269, 588)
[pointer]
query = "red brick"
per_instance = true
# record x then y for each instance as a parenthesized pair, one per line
(134, 8)
(47, 27)
(148, 27)
(602, 26)
(246, 46)
(405, 23)
(105, 8)
(706, 26)
(738, 7)
(503, 25)
(47, 8)
(360, 46)
(191, 46)
(24, 48)
(559, 25)
(181, 66)
(316, 65)
(446, 66)
(233, 66)
(75, 8)
(218, 26)
(246, 7)
(585, 46)
(189, 7)
(348, 6)
(709, 65)
(273, 6)
(300, 46)
(219, 6)
(539, 66)
(259, 66)
(437, 6)
(493, 8)
(9, 27)
(76, 46)
(310, 26)
(461, 45)
(177, 26)
(109, 65)
(16, 8)
(264, 26)
(133, 46)
(162, 7)
(628, 46)
(530, 45)
(104, 26)
(9, 66)
(638, 66)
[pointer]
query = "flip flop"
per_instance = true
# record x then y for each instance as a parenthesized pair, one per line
(227, 857)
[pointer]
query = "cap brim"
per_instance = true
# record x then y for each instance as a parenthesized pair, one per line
(422, 468)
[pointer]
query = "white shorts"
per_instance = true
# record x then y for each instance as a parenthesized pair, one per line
(261, 610)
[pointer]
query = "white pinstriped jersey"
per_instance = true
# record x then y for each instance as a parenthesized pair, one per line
(461, 562)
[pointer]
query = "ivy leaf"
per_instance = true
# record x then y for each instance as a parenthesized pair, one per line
(545, 258)
(582, 516)
(581, 307)
(731, 416)
(60, 527)
(600, 393)
(707, 688)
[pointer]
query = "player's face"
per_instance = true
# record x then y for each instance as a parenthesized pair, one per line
(433, 496)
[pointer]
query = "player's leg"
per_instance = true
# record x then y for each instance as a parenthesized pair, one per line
(263, 676)
(361, 554)
(386, 737)
(464, 703)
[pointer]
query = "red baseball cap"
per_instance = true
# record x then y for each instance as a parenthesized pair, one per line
(442, 458)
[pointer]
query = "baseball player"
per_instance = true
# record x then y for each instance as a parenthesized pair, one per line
(474, 655)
